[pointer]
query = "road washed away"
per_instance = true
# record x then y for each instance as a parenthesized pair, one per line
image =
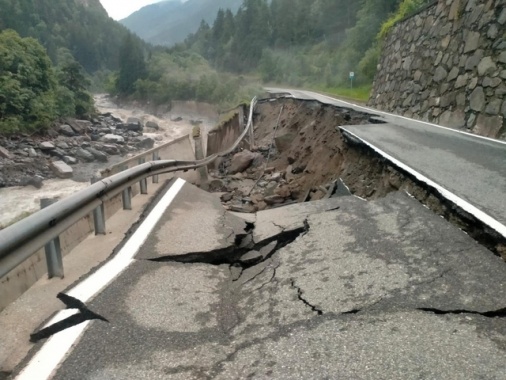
(335, 288)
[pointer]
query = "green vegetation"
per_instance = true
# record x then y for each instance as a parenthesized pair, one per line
(360, 94)
(304, 43)
(297, 42)
(82, 27)
(32, 93)
(406, 8)
(187, 76)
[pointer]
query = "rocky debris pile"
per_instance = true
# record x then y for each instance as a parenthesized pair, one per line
(28, 160)
(249, 185)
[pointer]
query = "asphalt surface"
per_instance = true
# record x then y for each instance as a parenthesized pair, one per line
(366, 290)
(471, 167)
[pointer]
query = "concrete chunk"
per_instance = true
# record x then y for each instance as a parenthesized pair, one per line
(61, 169)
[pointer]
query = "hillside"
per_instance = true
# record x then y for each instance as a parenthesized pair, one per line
(81, 26)
(169, 22)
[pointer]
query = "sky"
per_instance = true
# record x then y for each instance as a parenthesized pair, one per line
(119, 9)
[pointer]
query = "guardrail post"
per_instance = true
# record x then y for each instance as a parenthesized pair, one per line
(156, 157)
(54, 258)
(199, 155)
(126, 195)
(143, 182)
(98, 214)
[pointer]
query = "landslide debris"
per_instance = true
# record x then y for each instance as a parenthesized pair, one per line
(299, 154)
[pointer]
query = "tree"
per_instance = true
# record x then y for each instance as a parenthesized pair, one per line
(27, 84)
(132, 65)
(71, 76)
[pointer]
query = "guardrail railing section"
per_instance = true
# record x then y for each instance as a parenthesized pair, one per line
(21, 240)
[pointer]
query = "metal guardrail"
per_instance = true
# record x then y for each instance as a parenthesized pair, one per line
(21, 240)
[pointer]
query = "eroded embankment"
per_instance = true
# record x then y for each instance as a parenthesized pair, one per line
(300, 154)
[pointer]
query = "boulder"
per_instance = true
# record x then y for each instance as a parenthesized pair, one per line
(62, 145)
(114, 139)
(144, 142)
(110, 149)
(61, 169)
(66, 130)
(58, 153)
(70, 160)
(152, 125)
(241, 161)
(227, 197)
(35, 181)
(84, 155)
(5, 153)
(133, 124)
(46, 145)
(32, 153)
(99, 156)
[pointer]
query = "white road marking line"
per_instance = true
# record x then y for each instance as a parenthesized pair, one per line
(46, 360)
(466, 206)
(375, 111)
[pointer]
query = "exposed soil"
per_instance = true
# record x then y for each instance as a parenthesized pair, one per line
(306, 157)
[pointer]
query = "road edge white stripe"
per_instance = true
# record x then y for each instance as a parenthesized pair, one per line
(46, 360)
(375, 111)
(463, 204)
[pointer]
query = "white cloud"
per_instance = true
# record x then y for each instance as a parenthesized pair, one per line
(119, 9)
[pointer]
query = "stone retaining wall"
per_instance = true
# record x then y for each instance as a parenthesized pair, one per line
(447, 65)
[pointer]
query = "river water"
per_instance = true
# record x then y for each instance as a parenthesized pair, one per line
(16, 202)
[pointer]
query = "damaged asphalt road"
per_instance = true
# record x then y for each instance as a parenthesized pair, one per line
(340, 288)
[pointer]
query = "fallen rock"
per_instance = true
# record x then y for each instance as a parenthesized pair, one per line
(227, 197)
(283, 191)
(62, 145)
(102, 157)
(32, 153)
(35, 181)
(274, 199)
(152, 125)
(46, 145)
(84, 155)
(110, 149)
(145, 142)
(289, 176)
(241, 161)
(246, 208)
(5, 153)
(70, 160)
(61, 169)
(66, 130)
(115, 139)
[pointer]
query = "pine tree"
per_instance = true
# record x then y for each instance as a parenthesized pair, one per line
(132, 65)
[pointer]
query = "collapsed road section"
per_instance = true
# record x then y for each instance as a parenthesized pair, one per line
(313, 282)
(335, 288)
(306, 150)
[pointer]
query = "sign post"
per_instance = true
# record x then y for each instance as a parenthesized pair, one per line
(352, 76)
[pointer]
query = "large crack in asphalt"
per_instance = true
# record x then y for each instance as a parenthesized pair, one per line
(84, 314)
(244, 253)
(300, 294)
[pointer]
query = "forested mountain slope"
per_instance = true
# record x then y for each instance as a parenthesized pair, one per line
(299, 42)
(81, 26)
(170, 22)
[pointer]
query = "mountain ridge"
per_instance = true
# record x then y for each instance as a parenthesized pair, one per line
(169, 22)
